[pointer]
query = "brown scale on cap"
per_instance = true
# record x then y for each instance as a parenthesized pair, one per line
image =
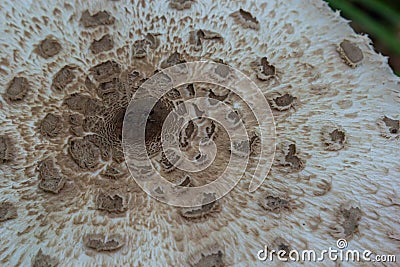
(49, 47)
(338, 136)
(152, 40)
(98, 19)
(173, 94)
(92, 123)
(246, 19)
(110, 202)
(291, 158)
(63, 77)
(103, 44)
(185, 181)
(222, 71)
(213, 259)
(350, 53)
(141, 47)
(102, 242)
(108, 88)
(234, 118)
(174, 59)
(241, 148)
(181, 4)
(274, 204)
(84, 153)
(283, 102)
(197, 37)
(8, 211)
(348, 219)
(392, 124)
(83, 104)
(190, 90)
(105, 71)
(76, 119)
(17, 89)
(351, 218)
(50, 178)
(217, 97)
(247, 147)
(333, 137)
(199, 214)
(101, 142)
(209, 255)
(389, 127)
(265, 70)
(6, 149)
(43, 260)
(51, 125)
(280, 243)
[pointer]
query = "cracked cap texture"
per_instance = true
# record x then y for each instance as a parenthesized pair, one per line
(68, 71)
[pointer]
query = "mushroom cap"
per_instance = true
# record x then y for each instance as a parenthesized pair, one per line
(335, 174)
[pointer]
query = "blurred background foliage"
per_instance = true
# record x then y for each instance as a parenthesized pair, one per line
(380, 19)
